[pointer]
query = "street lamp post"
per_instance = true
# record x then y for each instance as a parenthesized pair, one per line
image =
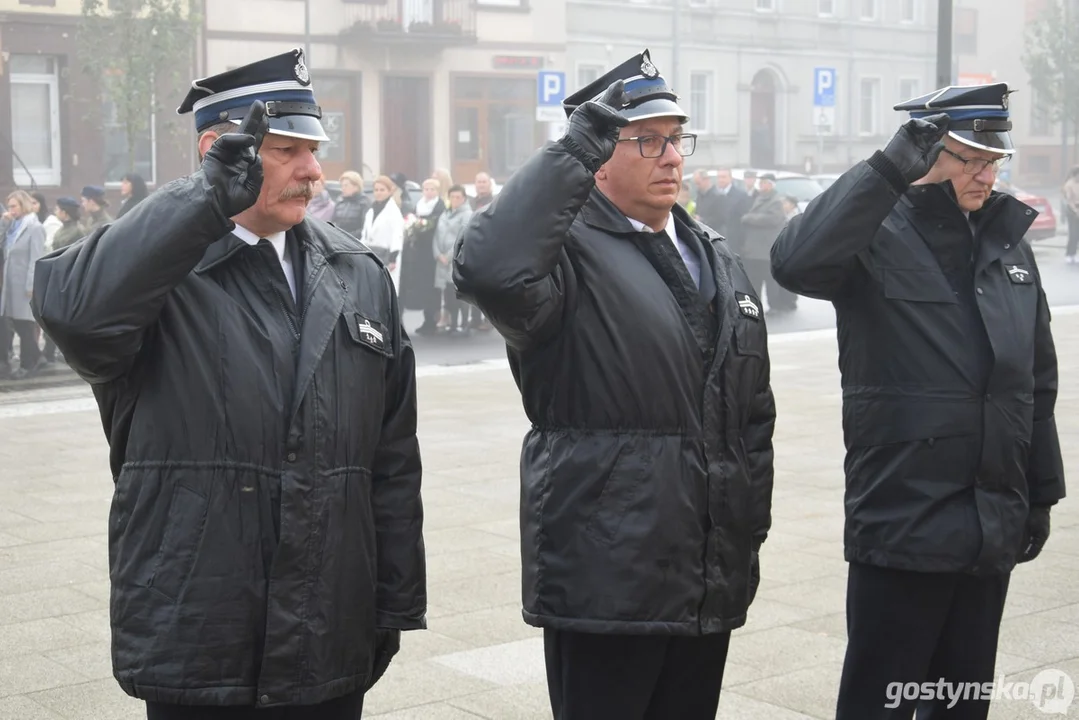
(944, 43)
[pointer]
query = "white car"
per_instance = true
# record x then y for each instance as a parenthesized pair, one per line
(801, 187)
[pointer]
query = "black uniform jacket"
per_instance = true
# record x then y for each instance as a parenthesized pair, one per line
(267, 514)
(948, 365)
(646, 477)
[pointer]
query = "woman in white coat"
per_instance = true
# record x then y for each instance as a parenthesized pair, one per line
(384, 228)
(23, 244)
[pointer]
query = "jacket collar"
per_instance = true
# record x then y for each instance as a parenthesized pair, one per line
(312, 237)
(1001, 222)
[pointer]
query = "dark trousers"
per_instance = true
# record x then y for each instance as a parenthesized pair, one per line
(911, 627)
(760, 275)
(634, 677)
(456, 310)
(29, 351)
(1073, 233)
(349, 707)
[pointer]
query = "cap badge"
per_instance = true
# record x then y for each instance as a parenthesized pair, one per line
(1004, 101)
(647, 68)
(301, 73)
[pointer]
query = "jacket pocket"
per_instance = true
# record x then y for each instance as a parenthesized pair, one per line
(918, 285)
(179, 546)
(620, 490)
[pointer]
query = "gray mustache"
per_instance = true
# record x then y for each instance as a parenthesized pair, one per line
(306, 191)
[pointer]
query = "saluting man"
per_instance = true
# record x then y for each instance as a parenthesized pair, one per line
(259, 399)
(640, 350)
(949, 386)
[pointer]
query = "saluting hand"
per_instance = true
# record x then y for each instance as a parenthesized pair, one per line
(594, 125)
(915, 148)
(233, 166)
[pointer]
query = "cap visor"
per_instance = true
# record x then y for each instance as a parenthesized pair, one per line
(304, 127)
(661, 107)
(998, 142)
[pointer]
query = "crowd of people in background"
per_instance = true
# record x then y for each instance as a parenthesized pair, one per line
(414, 238)
(30, 228)
(750, 215)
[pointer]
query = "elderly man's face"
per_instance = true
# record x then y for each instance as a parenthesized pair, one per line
(643, 187)
(723, 179)
(767, 186)
(971, 190)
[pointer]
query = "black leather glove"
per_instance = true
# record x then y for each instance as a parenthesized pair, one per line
(232, 164)
(1036, 533)
(916, 146)
(592, 132)
(387, 643)
(754, 575)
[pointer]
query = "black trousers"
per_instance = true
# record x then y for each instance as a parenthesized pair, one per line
(349, 707)
(911, 627)
(29, 350)
(633, 677)
(760, 275)
(455, 309)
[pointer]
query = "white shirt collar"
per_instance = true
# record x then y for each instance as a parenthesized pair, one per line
(277, 239)
(668, 228)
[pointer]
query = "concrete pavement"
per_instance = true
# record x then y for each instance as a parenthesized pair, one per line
(478, 659)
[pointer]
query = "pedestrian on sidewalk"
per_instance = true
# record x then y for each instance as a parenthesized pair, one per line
(640, 350)
(949, 385)
(1071, 200)
(259, 399)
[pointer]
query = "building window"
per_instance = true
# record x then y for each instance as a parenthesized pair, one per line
(1039, 114)
(116, 151)
(588, 74)
(700, 101)
(826, 8)
(503, 3)
(766, 5)
(909, 11)
(869, 106)
(909, 88)
(35, 119)
(868, 9)
(966, 31)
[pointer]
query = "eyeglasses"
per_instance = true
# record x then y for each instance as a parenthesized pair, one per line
(973, 166)
(653, 146)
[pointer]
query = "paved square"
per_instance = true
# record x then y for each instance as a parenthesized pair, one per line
(479, 659)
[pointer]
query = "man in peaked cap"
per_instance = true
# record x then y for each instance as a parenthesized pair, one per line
(640, 350)
(949, 380)
(259, 399)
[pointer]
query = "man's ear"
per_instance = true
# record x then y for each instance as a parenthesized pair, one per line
(601, 174)
(206, 140)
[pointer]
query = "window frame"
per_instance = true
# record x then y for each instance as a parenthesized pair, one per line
(869, 18)
(708, 101)
(53, 175)
(877, 120)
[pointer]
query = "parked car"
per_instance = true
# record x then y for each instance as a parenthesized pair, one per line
(1045, 225)
(826, 180)
(801, 187)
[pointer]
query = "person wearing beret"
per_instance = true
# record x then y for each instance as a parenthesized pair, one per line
(68, 211)
(949, 378)
(640, 351)
(259, 398)
(94, 203)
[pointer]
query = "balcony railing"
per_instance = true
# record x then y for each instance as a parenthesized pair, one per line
(446, 21)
